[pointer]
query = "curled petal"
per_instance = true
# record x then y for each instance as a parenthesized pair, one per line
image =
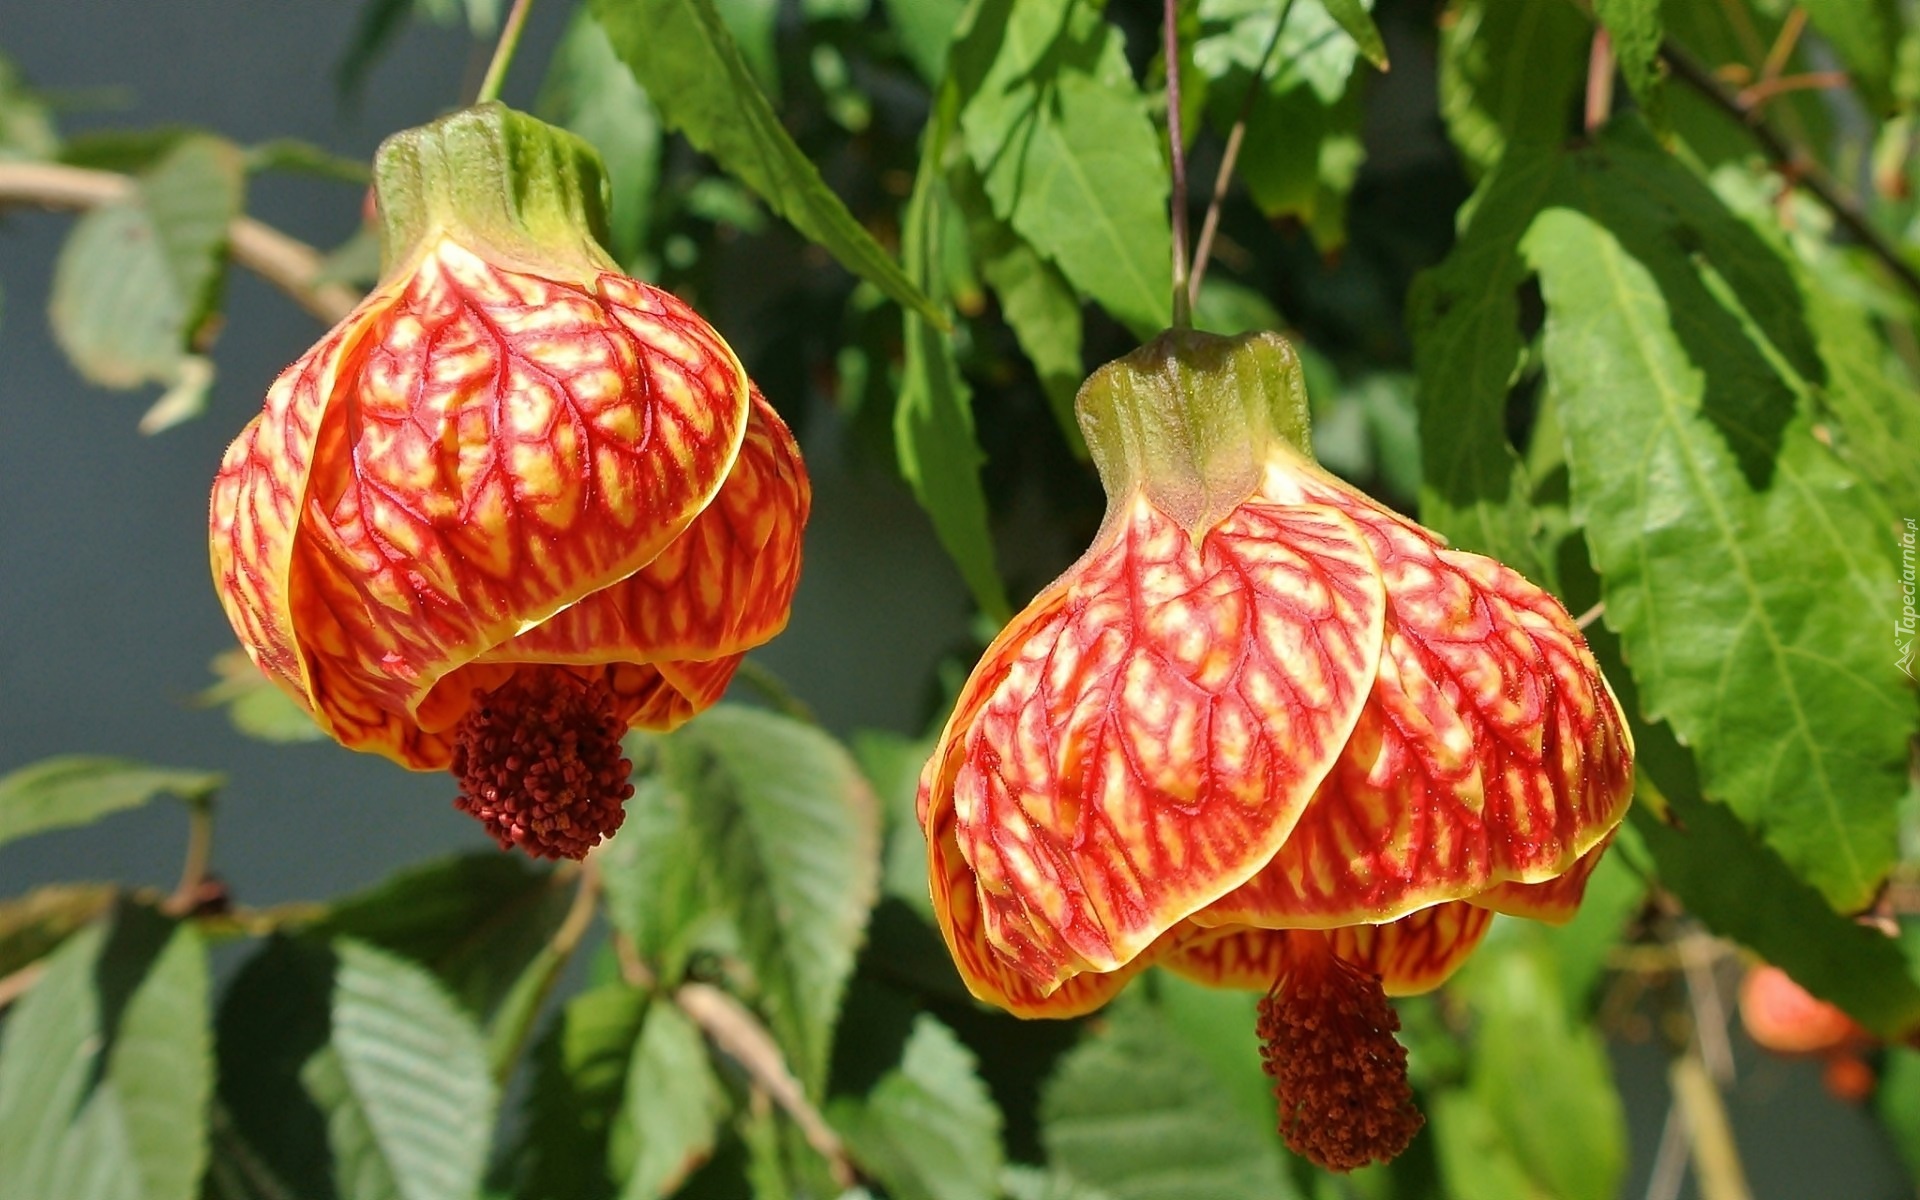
(1143, 737)
(1490, 750)
(471, 451)
(1553, 901)
(1411, 955)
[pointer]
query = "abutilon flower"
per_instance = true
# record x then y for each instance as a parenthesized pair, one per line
(1267, 734)
(516, 502)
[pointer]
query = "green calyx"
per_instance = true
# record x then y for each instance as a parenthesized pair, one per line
(1192, 419)
(510, 188)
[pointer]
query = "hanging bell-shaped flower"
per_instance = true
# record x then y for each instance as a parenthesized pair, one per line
(516, 502)
(1270, 734)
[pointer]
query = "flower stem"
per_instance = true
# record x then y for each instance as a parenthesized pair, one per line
(1230, 158)
(1182, 305)
(503, 52)
(199, 856)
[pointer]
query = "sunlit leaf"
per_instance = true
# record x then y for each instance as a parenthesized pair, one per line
(1540, 1073)
(1064, 144)
(780, 821)
(58, 793)
(1137, 1113)
(256, 707)
(403, 1081)
(1745, 616)
(33, 924)
(138, 276)
(933, 419)
(106, 1068)
(929, 1129)
(674, 1104)
(689, 64)
(579, 1081)
(1637, 30)
(1742, 890)
(475, 921)
(1510, 71)
(589, 91)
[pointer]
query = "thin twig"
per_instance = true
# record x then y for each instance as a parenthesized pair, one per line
(1591, 615)
(193, 867)
(1670, 1160)
(1182, 304)
(733, 1028)
(1230, 158)
(507, 1043)
(1792, 162)
(1716, 1158)
(1699, 954)
(774, 691)
(287, 263)
(739, 1034)
(503, 52)
(1599, 79)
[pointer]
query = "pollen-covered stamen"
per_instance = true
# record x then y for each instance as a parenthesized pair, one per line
(539, 763)
(1326, 1037)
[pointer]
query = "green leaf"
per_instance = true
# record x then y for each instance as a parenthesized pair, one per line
(933, 418)
(474, 920)
(754, 25)
(31, 926)
(305, 158)
(1898, 1103)
(1352, 16)
(1465, 315)
(403, 1081)
(106, 1069)
(1615, 894)
(58, 793)
(589, 91)
(1736, 553)
(674, 1105)
(138, 276)
(925, 30)
(1031, 1183)
(1301, 150)
(1217, 1024)
(929, 1130)
(789, 834)
(1137, 1113)
(579, 1080)
(1477, 1162)
(1743, 890)
(683, 56)
(892, 765)
(254, 705)
(1541, 1073)
(26, 122)
(1637, 30)
(1510, 71)
(1867, 391)
(1036, 301)
(1067, 151)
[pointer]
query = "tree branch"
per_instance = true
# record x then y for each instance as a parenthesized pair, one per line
(1792, 162)
(285, 262)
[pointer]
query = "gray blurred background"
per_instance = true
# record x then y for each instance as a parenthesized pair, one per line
(108, 619)
(107, 615)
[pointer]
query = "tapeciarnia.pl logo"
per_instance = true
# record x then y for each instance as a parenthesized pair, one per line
(1904, 624)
